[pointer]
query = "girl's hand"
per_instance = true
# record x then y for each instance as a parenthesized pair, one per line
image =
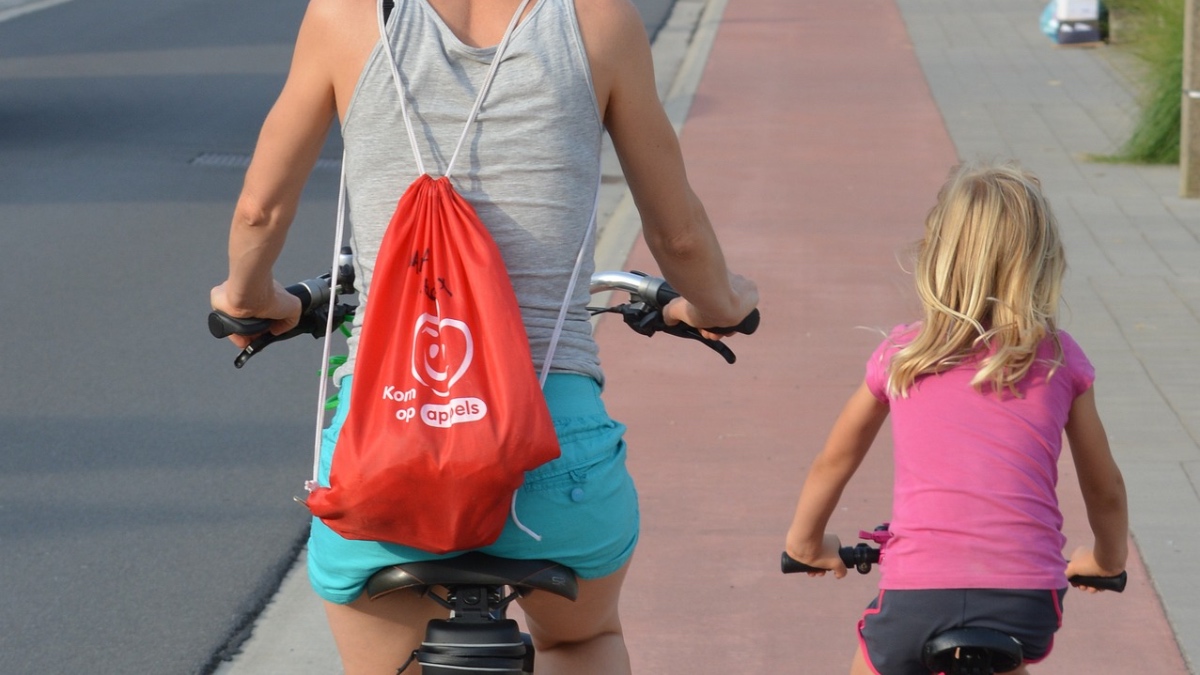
(276, 304)
(822, 554)
(1083, 563)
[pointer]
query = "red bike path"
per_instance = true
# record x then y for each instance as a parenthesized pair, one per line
(817, 157)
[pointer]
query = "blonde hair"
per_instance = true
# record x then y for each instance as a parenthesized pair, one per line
(989, 275)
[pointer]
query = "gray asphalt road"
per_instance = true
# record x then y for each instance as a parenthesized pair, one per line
(144, 482)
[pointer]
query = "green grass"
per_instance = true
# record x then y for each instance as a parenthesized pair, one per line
(1152, 30)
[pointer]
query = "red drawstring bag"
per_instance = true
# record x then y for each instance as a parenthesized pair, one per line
(446, 411)
(446, 414)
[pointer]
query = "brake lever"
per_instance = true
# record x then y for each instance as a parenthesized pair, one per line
(685, 331)
(311, 323)
(647, 320)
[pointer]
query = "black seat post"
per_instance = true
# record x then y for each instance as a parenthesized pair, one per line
(473, 602)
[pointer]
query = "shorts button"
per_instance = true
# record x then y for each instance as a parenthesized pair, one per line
(577, 495)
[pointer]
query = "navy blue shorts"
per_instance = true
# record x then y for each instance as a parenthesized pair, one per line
(897, 624)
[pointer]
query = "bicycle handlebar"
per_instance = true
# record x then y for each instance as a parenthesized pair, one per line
(314, 295)
(1116, 583)
(311, 292)
(655, 292)
(862, 556)
(643, 313)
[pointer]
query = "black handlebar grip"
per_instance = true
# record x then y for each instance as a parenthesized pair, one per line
(222, 325)
(790, 565)
(1116, 583)
(860, 557)
(310, 292)
(664, 293)
(746, 327)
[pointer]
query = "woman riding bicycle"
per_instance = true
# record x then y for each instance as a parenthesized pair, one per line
(573, 70)
(979, 392)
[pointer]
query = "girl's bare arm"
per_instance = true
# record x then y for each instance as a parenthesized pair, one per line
(848, 442)
(1103, 491)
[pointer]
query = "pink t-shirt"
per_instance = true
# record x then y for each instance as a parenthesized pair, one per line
(974, 502)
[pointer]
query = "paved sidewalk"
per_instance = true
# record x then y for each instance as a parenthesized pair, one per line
(817, 137)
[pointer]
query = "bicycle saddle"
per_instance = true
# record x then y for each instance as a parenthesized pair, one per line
(476, 569)
(942, 650)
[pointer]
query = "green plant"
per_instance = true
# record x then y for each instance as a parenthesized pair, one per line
(1152, 30)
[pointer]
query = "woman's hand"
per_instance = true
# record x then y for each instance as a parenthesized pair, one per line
(277, 304)
(745, 294)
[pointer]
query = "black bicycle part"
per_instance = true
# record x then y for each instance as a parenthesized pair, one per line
(644, 315)
(314, 295)
(222, 325)
(1113, 583)
(477, 588)
(972, 651)
(860, 557)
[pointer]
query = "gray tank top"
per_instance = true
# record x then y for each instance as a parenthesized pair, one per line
(530, 164)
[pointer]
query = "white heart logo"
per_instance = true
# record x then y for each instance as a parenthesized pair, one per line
(438, 345)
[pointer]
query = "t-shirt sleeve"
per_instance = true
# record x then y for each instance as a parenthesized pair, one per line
(877, 365)
(1083, 374)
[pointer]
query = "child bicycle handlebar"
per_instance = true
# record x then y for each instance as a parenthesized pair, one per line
(862, 556)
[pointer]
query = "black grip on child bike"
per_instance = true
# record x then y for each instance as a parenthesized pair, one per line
(790, 565)
(1115, 583)
(860, 557)
(310, 292)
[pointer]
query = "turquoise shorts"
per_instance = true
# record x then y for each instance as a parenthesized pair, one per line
(583, 505)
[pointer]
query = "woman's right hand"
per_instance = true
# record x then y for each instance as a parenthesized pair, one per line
(745, 300)
(277, 304)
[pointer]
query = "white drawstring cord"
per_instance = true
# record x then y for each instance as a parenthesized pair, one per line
(323, 386)
(517, 521)
(562, 312)
(387, 48)
(487, 84)
(483, 89)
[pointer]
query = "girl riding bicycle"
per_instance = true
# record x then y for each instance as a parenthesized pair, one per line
(980, 392)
